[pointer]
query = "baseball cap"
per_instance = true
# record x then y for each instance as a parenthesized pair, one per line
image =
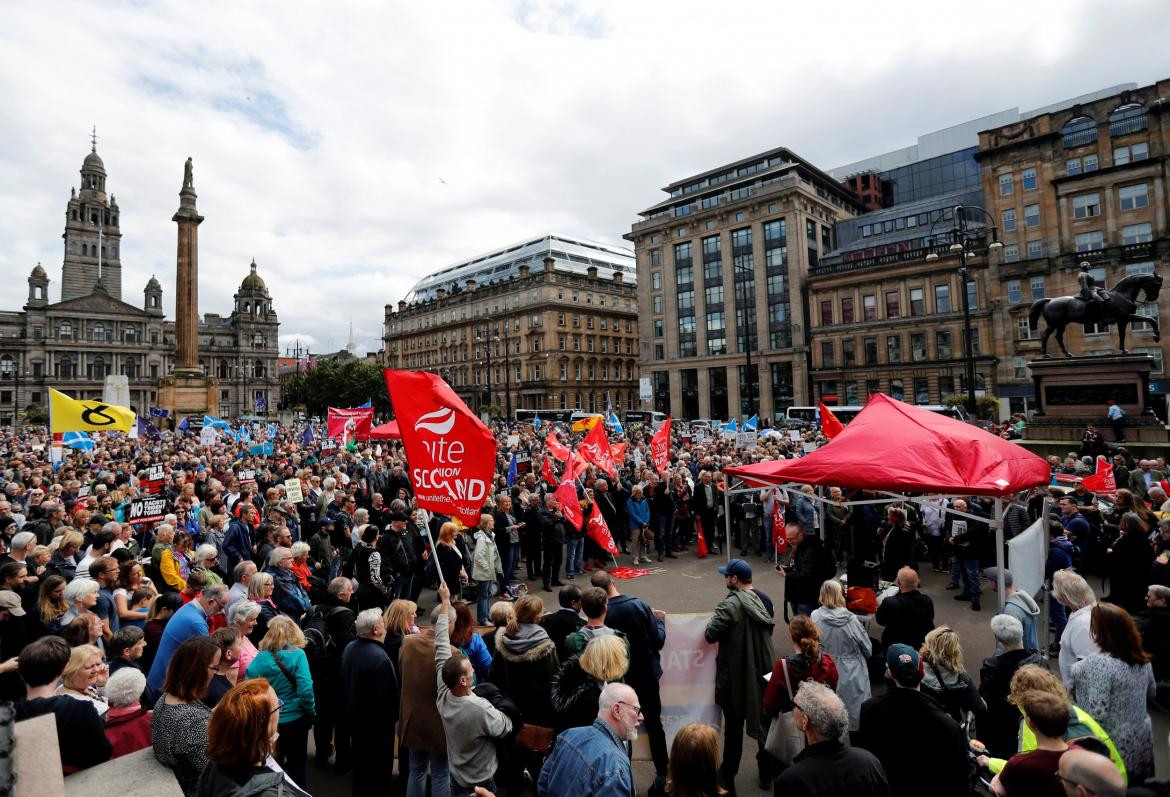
(11, 601)
(738, 568)
(398, 517)
(325, 521)
(992, 573)
(904, 663)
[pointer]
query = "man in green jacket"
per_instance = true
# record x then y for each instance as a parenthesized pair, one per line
(742, 627)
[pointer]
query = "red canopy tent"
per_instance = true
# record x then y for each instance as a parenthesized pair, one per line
(898, 447)
(387, 431)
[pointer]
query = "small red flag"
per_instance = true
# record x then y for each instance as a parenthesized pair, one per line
(830, 426)
(595, 448)
(660, 447)
(779, 537)
(547, 473)
(619, 451)
(566, 495)
(556, 448)
(598, 531)
(701, 547)
(1103, 481)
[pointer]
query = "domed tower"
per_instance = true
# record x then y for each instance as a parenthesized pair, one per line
(257, 330)
(153, 301)
(38, 287)
(252, 299)
(93, 240)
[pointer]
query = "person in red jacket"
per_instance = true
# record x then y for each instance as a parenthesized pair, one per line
(127, 721)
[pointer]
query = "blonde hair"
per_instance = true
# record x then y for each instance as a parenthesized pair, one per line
(399, 616)
(1072, 590)
(78, 657)
(501, 613)
(257, 584)
(831, 595)
(70, 539)
(282, 633)
(1033, 677)
(606, 658)
(942, 649)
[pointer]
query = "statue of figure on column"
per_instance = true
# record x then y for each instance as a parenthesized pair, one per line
(188, 179)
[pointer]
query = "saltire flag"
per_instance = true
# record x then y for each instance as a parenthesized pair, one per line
(512, 470)
(555, 447)
(595, 448)
(566, 495)
(216, 423)
(79, 440)
(751, 423)
(616, 424)
(1103, 481)
(598, 531)
(307, 437)
(660, 447)
(452, 454)
(546, 473)
(339, 427)
(245, 434)
(261, 450)
(585, 424)
(730, 426)
(74, 415)
(830, 426)
(608, 404)
(271, 431)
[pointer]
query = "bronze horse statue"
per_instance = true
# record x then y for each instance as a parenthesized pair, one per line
(1118, 308)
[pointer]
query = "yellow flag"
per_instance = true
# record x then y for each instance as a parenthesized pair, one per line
(585, 424)
(73, 415)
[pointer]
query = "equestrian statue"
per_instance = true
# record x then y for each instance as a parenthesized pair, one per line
(1095, 305)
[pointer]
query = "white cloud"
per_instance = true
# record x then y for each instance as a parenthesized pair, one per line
(320, 132)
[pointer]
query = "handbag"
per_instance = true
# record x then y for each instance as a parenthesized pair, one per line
(785, 740)
(535, 739)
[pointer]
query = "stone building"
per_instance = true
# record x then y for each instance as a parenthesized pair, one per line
(550, 323)
(722, 263)
(1079, 183)
(73, 344)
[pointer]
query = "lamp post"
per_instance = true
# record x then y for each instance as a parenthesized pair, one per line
(485, 338)
(963, 239)
(507, 375)
(747, 336)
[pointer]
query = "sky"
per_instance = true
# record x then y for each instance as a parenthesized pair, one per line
(354, 147)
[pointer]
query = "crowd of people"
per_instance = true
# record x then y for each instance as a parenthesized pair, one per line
(229, 632)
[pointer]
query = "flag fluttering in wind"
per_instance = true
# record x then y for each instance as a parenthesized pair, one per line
(1103, 481)
(660, 447)
(75, 415)
(830, 426)
(596, 449)
(512, 470)
(556, 448)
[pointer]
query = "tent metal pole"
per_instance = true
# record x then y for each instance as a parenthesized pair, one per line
(727, 521)
(999, 553)
(1045, 508)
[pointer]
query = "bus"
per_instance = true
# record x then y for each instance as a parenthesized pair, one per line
(652, 419)
(811, 415)
(546, 416)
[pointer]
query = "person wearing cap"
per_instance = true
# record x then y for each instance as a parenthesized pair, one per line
(920, 747)
(398, 557)
(1019, 605)
(742, 627)
(321, 549)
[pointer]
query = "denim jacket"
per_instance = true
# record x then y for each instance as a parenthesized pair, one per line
(588, 761)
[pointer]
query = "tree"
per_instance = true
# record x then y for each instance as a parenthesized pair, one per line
(333, 383)
(36, 415)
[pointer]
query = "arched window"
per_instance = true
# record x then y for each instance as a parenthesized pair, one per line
(84, 250)
(222, 371)
(97, 368)
(1126, 119)
(98, 332)
(258, 369)
(1079, 131)
(7, 366)
(65, 367)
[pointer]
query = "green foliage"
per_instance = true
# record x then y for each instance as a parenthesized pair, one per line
(338, 384)
(986, 406)
(36, 415)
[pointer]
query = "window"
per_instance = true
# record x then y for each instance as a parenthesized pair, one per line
(1035, 249)
(893, 310)
(942, 298)
(1011, 253)
(918, 346)
(713, 295)
(1086, 206)
(1005, 184)
(897, 390)
(686, 301)
(1127, 119)
(1072, 166)
(1024, 330)
(848, 352)
(658, 329)
(655, 306)
(972, 295)
(826, 313)
(1019, 368)
(828, 354)
(656, 257)
(1009, 220)
(869, 308)
(870, 351)
(716, 333)
(1036, 284)
(1079, 131)
(604, 322)
(1137, 234)
(561, 339)
(1156, 353)
(917, 302)
(975, 344)
(1028, 179)
(1089, 163)
(1031, 215)
(656, 280)
(1131, 197)
(847, 310)
(1088, 241)
(894, 348)
(561, 316)
(659, 351)
(1013, 291)
(921, 391)
(943, 344)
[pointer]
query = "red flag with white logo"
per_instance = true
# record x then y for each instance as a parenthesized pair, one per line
(619, 451)
(546, 472)
(660, 447)
(576, 467)
(556, 448)
(566, 496)
(350, 424)
(452, 455)
(598, 531)
(1103, 481)
(595, 448)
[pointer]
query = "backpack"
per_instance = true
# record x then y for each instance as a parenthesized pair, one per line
(320, 647)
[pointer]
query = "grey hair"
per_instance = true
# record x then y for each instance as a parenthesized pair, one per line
(113, 527)
(1007, 630)
(258, 583)
(299, 549)
(204, 552)
(124, 688)
(328, 483)
(1160, 592)
(1072, 590)
(243, 610)
(78, 588)
(361, 516)
(825, 711)
(610, 696)
(241, 569)
(21, 540)
(366, 620)
(216, 592)
(164, 528)
(276, 555)
(339, 585)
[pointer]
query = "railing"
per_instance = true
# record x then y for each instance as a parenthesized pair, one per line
(1129, 124)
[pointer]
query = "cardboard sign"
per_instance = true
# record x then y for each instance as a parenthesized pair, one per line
(292, 489)
(83, 491)
(247, 477)
(146, 510)
(207, 436)
(748, 440)
(154, 479)
(523, 462)
(513, 440)
(328, 452)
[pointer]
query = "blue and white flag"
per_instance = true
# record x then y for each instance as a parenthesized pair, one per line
(512, 470)
(307, 437)
(367, 405)
(751, 423)
(536, 423)
(79, 440)
(730, 426)
(261, 402)
(616, 424)
(216, 423)
(245, 434)
(261, 450)
(271, 431)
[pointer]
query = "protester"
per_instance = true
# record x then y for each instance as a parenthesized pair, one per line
(228, 670)
(843, 637)
(189, 621)
(595, 605)
(577, 686)
(420, 726)
(525, 661)
(1077, 641)
(332, 626)
(1035, 772)
(1019, 605)
(127, 721)
(282, 662)
(944, 678)
(1086, 774)
(370, 690)
(908, 616)
(84, 675)
(487, 568)
(592, 761)
(565, 620)
(260, 591)
(243, 616)
(178, 729)
(810, 566)
(999, 723)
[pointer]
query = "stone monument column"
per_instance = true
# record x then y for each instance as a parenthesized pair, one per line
(187, 279)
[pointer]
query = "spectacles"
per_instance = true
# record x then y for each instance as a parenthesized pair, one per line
(637, 709)
(279, 706)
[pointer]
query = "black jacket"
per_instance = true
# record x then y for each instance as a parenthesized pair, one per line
(915, 741)
(646, 634)
(574, 696)
(812, 565)
(398, 556)
(1128, 564)
(897, 551)
(1155, 627)
(908, 617)
(830, 769)
(217, 781)
(999, 725)
(369, 688)
(552, 532)
(560, 624)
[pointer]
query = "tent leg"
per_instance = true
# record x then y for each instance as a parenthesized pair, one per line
(727, 520)
(821, 518)
(999, 552)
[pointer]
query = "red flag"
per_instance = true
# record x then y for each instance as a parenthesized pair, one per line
(595, 448)
(1103, 480)
(452, 454)
(619, 451)
(566, 495)
(660, 447)
(546, 472)
(599, 532)
(701, 546)
(830, 426)
(576, 467)
(346, 423)
(779, 538)
(556, 448)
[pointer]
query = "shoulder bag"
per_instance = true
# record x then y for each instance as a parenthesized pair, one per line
(785, 740)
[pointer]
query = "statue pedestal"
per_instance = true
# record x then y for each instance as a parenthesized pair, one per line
(189, 394)
(1072, 392)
